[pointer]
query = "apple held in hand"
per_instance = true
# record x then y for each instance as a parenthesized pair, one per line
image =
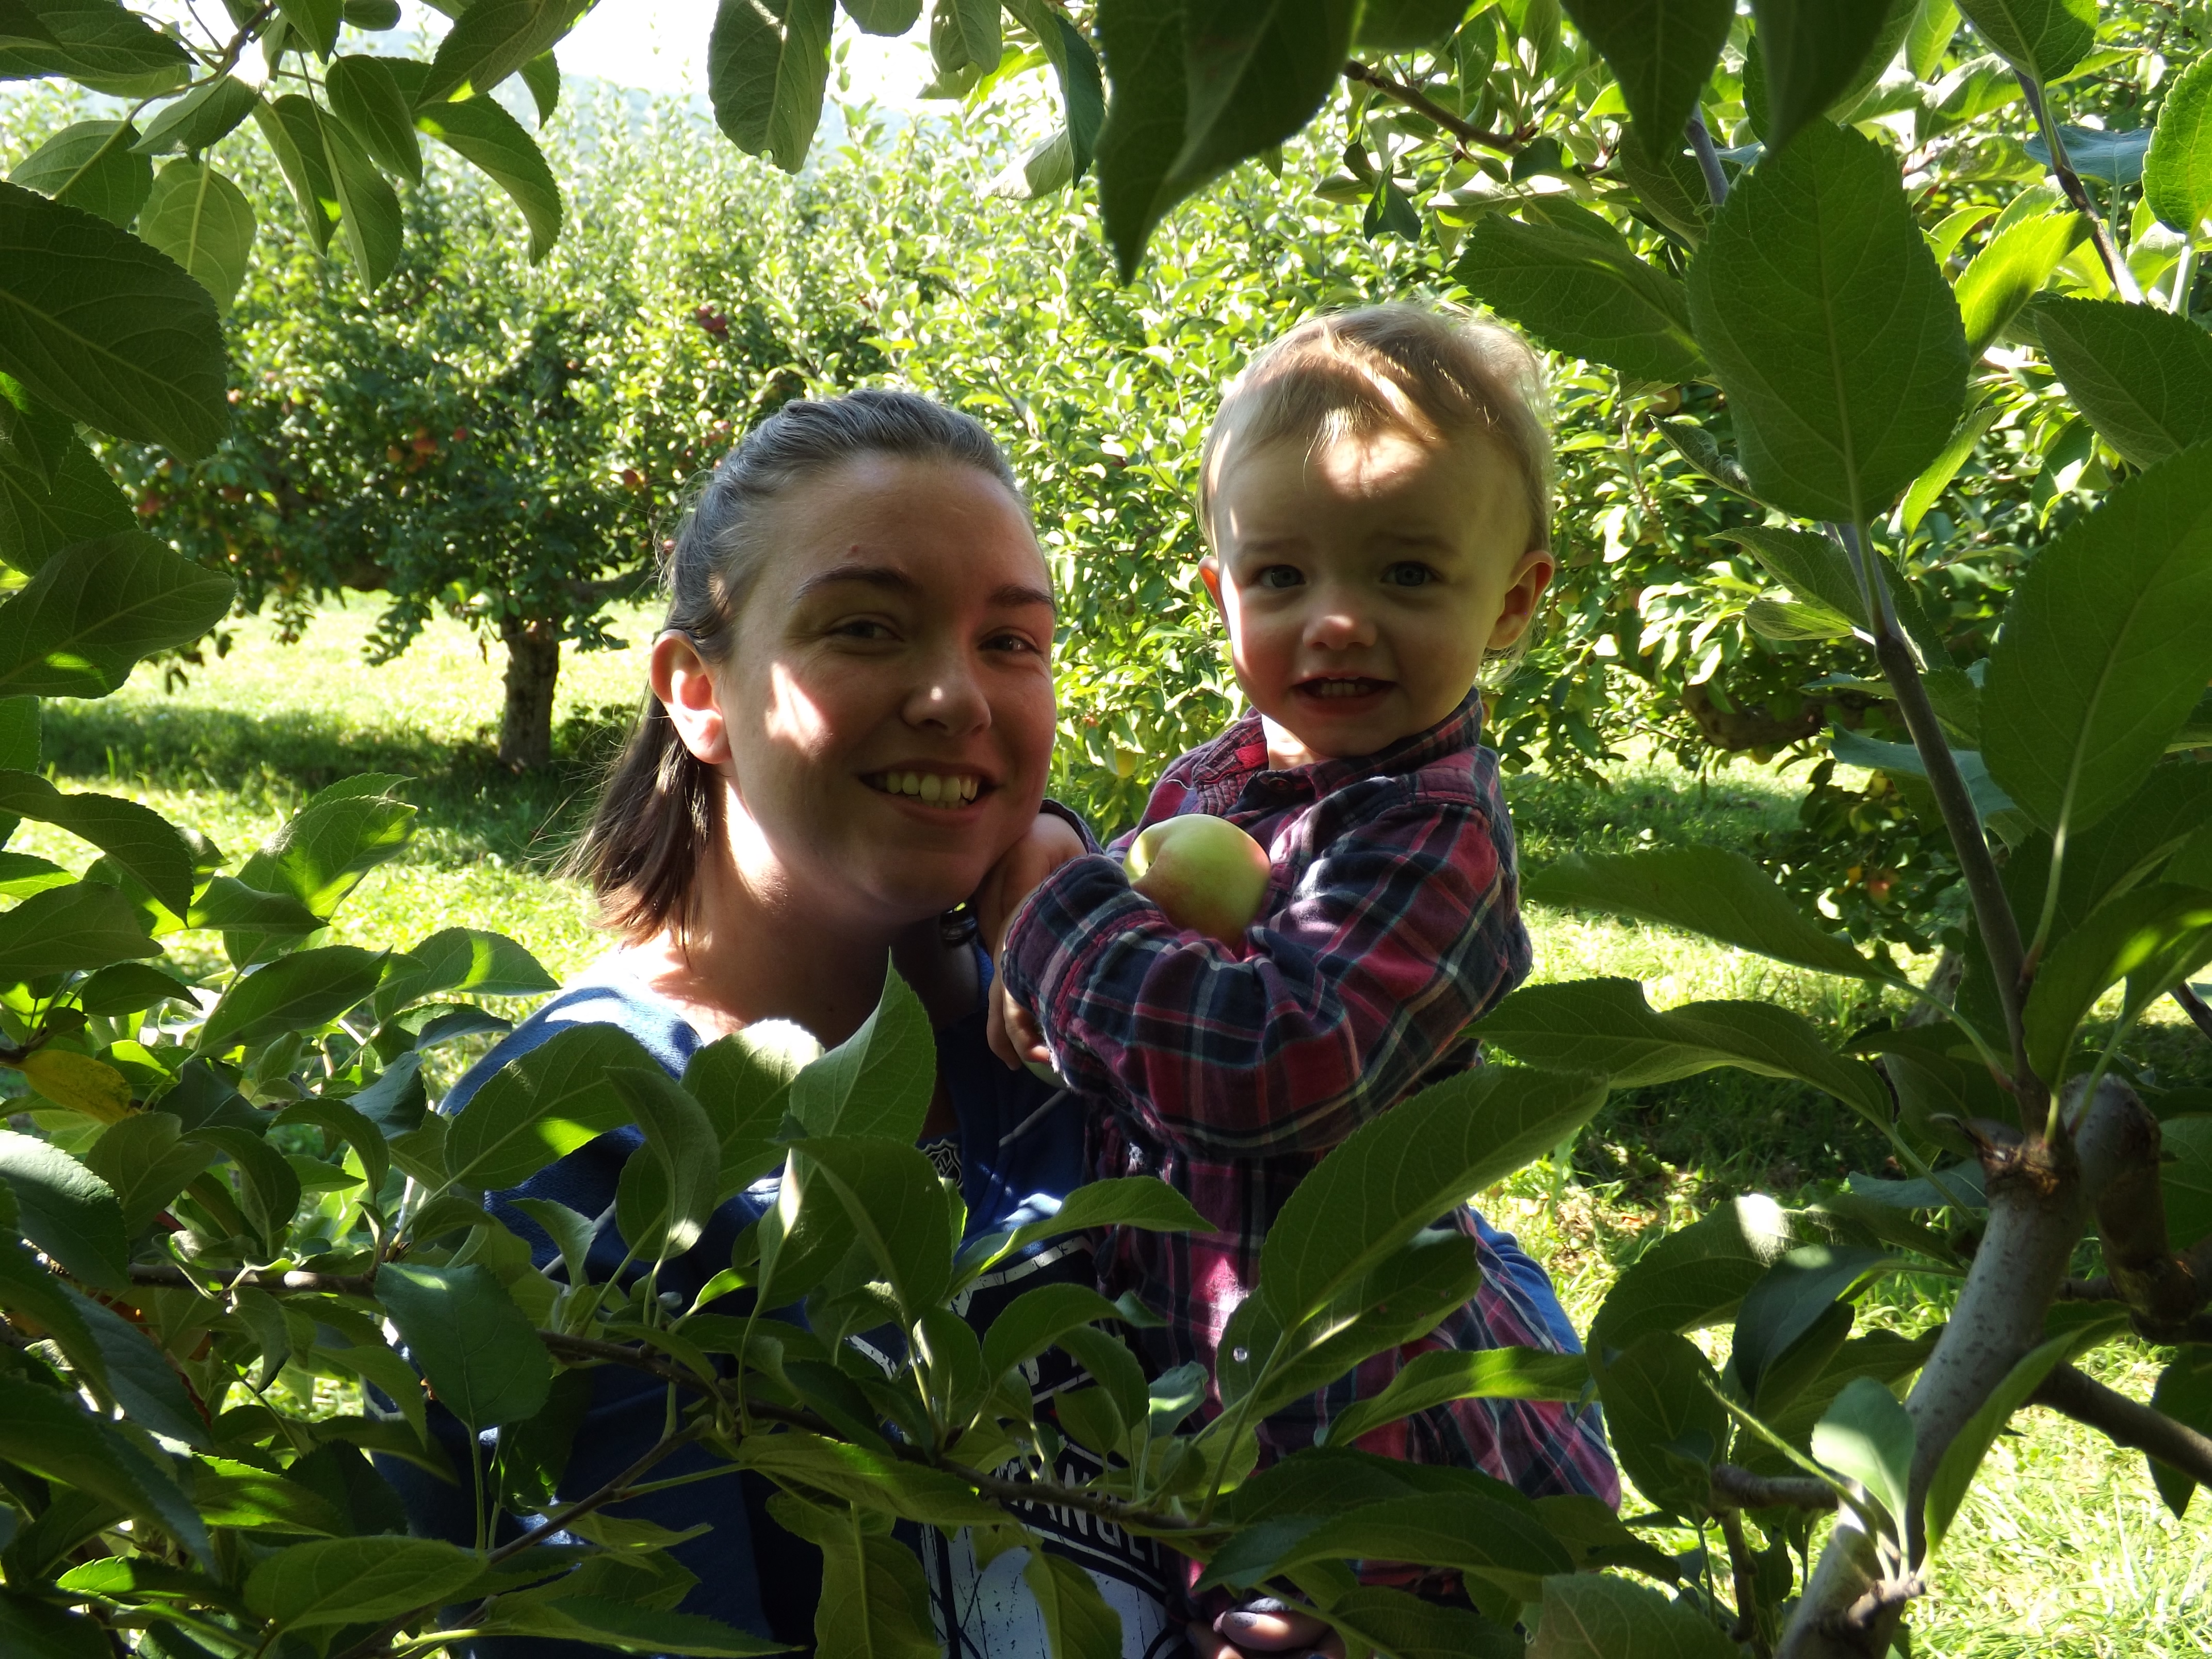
(1208, 875)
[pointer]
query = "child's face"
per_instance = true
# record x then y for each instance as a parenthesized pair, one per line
(1363, 581)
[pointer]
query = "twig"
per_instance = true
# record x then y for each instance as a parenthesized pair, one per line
(2126, 1422)
(1734, 1488)
(258, 1278)
(2199, 1011)
(1745, 1572)
(1505, 144)
(2070, 182)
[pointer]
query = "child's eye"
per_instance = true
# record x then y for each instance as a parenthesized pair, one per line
(1408, 573)
(1279, 576)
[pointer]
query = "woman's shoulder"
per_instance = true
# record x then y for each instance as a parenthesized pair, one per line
(603, 995)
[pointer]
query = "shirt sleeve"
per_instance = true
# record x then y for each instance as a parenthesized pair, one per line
(1399, 934)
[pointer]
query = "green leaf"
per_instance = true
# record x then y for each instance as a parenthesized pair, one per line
(2178, 167)
(885, 17)
(2153, 936)
(469, 961)
(744, 1081)
(667, 1188)
(51, 1436)
(1934, 24)
(2184, 1393)
(31, 1628)
(875, 1601)
(337, 1118)
(65, 929)
(1669, 184)
(1867, 1436)
(103, 328)
(1700, 890)
(878, 1081)
(302, 992)
(1409, 25)
(209, 111)
(2142, 377)
(136, 837)
(492, 39)
(268, 1186)
(231, 1494)
(767, 63)
(1082, 82)
(93, 165)
(2009, 271)
(1902, 760)
(624, 1627)
(481, 1355)
(542, 75)
(315, 22)
(26, 1287)
(144, 1162)
(202, 222)
(1579, 289)
(494, 142)
(1662, 53)
(1830, 328)
(1141, 1201)
(1597, 1616)
(1484, 1538)
(1813, 52)
(368, 210)
(294, 129)
(2107, 648)
(1395, 1175)
(94, 609)
(1405, 1625)
(860, 1475)
(1443, 1375)
(357, 1581)
(2041, 37)
(1797, 1291)
(366, 96)
(896, 1203)
(1962, 1458)
(1036, 1318)
(1665, 1420)
(1144, 130)
(1696, 1276)
(964, 34)
(106, 47)
(53, 492)
(66, 1210)
(1256, 72)
(1078, 1622)
(1606, 1026)
(541, 1106)
(1928, 488)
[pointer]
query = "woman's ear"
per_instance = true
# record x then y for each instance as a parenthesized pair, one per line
(686, 686)
(1518, 606)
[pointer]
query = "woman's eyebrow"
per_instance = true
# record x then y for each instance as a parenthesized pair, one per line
(871, 575)
(1022, 594)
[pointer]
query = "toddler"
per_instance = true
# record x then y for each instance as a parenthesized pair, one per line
(1375, 494)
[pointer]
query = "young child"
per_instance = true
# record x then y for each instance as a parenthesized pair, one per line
(1376, 496)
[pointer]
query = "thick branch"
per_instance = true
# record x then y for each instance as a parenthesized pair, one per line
(2070, 183)
(2121, 1142)
(1737, 1488)
(166, 1276)
(1505, 144)
(2127, 1422)
(1745, 1572)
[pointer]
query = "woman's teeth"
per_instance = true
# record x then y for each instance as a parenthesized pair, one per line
(937, 789)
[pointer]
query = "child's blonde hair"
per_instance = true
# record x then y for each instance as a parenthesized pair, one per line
(1432, 372)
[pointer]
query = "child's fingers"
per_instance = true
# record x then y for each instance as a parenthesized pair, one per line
(1027, 1036)
(994, 1031)
(1268, 1626)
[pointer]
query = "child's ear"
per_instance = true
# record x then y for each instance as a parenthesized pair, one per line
(1209, 572)
(1517, 607)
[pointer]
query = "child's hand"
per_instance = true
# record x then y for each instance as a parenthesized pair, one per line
(1266, 1625)
(1012, 1031)
(1049, 842)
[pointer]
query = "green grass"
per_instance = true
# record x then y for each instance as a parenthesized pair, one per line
(2065, 1550)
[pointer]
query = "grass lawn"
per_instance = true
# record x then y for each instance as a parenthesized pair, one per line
(2065, 1550)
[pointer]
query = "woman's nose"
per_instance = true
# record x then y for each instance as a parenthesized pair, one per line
(949, 696)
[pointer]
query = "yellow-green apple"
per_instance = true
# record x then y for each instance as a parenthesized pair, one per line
(1208, 875)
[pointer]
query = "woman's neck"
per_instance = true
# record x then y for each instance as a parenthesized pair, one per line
(748, 952)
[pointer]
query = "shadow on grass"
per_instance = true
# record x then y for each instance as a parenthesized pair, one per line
(469, 804)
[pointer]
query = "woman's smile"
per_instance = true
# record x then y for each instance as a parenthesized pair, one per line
(944, 789)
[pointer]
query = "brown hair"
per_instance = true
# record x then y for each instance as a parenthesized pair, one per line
(1431, 371)
(659, 806)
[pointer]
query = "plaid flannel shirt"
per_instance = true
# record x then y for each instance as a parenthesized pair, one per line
(1391, 923)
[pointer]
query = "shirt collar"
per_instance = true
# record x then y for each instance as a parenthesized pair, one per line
(1241, 752)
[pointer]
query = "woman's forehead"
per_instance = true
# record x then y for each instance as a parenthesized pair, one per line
(919, 530)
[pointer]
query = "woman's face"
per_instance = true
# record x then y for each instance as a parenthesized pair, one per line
(888, 701)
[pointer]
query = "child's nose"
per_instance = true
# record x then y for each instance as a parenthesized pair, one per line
(1339, 626)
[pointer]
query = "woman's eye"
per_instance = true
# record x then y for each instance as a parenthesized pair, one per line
(1279, 576)
(1408, 573)
(862, 627)
(1012, 642)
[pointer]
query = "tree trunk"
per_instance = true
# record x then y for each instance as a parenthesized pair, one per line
(533, 663)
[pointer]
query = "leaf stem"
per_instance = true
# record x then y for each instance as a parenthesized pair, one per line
(2069, 182)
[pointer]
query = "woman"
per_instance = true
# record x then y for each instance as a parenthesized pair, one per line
(851, 720)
